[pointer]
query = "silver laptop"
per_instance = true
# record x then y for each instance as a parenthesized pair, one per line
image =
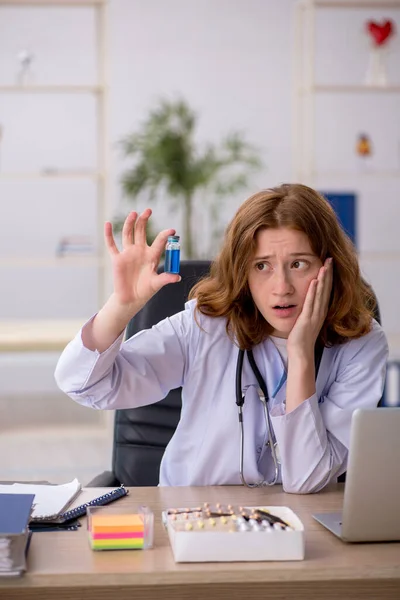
(371, 505)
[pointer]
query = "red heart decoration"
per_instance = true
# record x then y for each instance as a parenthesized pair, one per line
(380, 32)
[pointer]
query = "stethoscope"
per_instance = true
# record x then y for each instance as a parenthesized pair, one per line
(262, 391)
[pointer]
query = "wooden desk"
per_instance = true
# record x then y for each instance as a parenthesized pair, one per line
(61, 565)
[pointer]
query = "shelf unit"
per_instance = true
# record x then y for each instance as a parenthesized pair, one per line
(362, 175)
(51, 89)
(52, 261)
(353, 89)
(67, 175)
(306, 86)
(99, 174)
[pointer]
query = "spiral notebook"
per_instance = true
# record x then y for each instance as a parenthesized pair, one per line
(102, 500)
(69, 520)
(53, 504)
(79, 511)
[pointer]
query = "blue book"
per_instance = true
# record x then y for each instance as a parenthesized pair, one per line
(15, 512)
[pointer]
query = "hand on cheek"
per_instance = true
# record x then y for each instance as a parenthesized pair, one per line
(305, 332)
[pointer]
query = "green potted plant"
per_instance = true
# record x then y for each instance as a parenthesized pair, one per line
(165, 156)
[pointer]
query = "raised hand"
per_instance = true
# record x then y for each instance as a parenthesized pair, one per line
(135, 280)
(135, 266)
(305, 332)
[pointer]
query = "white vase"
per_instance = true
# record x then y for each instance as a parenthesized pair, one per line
(377, 68)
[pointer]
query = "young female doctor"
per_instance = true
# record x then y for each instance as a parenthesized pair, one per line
(285, 286)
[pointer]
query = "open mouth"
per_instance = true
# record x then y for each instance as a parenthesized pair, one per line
(285, 311)
(283, 306)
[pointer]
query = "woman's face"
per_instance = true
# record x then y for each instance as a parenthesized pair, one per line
(280, 273)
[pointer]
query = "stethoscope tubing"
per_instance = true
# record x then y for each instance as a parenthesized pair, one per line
(271, 444)
(264, 397)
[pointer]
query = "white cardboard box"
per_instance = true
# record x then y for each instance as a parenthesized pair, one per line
(222, 546)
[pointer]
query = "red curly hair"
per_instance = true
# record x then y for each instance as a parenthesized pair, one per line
(225, 292)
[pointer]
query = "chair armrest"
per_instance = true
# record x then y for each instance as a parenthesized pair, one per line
(105, 479)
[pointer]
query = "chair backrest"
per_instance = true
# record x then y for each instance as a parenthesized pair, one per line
(142, 434)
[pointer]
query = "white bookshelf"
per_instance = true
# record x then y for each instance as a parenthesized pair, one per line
(51, 89)
(59, 262)
(99, 174)
(73, 3)
(10, 175)
(307, 88)
(308, 116)
(352, 89)
(349, 4)
(351, 175)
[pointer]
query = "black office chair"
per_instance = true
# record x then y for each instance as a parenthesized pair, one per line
(142, 434)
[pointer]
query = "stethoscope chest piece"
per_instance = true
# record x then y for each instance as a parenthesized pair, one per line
(277, 453)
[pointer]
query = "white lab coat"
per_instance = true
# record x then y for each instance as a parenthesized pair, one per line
(313, 439)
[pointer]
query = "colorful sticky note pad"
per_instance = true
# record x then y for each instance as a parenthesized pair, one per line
(116, 532)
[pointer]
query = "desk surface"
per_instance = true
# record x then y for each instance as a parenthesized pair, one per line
(61, 564)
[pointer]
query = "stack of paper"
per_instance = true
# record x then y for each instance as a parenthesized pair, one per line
(50, 500)
(15, 513)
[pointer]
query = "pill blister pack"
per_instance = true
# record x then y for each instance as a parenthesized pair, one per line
(227, 518)
(227, 532)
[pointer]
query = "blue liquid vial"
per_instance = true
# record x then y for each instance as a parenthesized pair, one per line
(172, 254)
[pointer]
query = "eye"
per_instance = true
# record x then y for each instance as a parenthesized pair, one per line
(262, 266)
(299, 264)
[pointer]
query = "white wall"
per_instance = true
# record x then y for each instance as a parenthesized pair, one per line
(224, 57)
(232, 60)
(342, 58)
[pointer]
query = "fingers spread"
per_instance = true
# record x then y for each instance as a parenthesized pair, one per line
(319, 294)
(109, 238)
(127, 230)
(324, 289)
(309, 301)
(329, 276)
(140, 228)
